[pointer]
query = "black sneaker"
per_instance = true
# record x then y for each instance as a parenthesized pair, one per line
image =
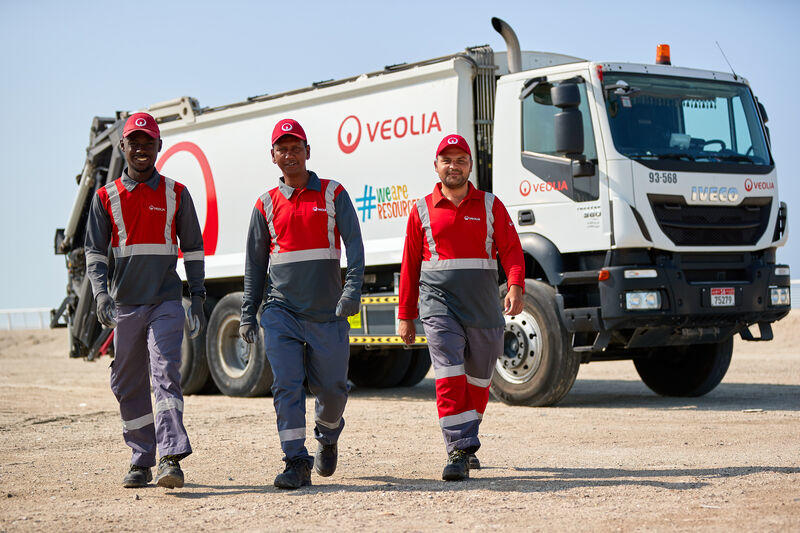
(297, 474)
(457, 467)
(169, 474)
(474, 463)
(137, 477)
(325, 459)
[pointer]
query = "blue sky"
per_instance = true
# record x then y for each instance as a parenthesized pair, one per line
(65, 62)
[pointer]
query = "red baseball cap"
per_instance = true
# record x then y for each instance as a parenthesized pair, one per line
(288, 126)
(456, 141)
(141, 122)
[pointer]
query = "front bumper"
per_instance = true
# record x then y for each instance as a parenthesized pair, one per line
(686, 314)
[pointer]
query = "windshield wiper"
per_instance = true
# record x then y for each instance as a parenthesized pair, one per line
(673, 155)
(737, 157)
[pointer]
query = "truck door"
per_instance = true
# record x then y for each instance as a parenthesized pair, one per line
(541, 186)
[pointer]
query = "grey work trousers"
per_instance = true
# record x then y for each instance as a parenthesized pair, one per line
(298, 349)
(147, 345)
(463, 360)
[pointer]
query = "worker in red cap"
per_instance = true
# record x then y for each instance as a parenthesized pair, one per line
(145, 218)
(294, 248)
(453, 240)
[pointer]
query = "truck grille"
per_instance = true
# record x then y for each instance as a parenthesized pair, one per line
(711, 225)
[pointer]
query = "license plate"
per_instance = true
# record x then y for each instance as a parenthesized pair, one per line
(723, 297)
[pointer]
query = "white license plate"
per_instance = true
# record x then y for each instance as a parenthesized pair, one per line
(723, 297)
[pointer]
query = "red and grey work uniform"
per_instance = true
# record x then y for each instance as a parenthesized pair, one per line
(450, 266)
(298, 234)
(143, 224)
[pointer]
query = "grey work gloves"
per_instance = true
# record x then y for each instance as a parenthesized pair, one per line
(347, 307)
(196, 317)
(106, 310)
(248, 333)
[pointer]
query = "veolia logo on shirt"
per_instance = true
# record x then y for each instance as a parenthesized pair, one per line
(315, 208)
(154, 208)
(472, 218)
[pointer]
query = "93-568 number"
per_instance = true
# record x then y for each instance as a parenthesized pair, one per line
(663, 177)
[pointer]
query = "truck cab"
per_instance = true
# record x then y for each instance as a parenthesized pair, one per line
(646, 200)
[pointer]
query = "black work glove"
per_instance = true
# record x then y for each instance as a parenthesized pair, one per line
(248, 333)
(196, 317)
(106, 310)
(347, 307)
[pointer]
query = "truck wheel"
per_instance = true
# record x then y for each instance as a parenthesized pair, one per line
(537, 366)
(194, 365)
(417, 368)
(692, 370)
(238, 368)
(379, 369)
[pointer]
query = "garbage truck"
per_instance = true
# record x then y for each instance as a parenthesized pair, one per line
(645, 197)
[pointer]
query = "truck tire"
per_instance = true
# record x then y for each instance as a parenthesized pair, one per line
(417, 368)
(687, 371)
(538, 365)
(238, 368)
(379, 369)
(194, 365)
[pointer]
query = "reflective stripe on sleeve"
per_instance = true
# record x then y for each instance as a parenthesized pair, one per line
(92, 257)
(169, 403)
(488, 199)
(305, 255)
(194, 256)
(460, 264)
(329, 425)
(169, 191)
(448, 371)
(292, 434)
(266, 201)
(479, 382)
(330, 192)
(425, 220)
(461, 418)
(145, 249)
(137, 423)
(116, 212)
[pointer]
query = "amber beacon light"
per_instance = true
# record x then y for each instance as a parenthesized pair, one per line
(662, 55)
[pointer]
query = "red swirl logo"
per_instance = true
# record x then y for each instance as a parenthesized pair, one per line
(748, 185)
(349, 134)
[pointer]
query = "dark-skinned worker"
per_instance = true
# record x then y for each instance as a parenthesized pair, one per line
(145, 218)
(295, 230)
(453, 240)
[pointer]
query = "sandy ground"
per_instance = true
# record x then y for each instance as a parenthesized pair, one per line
(611, 456)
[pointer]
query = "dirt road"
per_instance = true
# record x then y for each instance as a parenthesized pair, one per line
(611, 456)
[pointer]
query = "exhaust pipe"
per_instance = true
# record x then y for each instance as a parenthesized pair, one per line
(513, 53)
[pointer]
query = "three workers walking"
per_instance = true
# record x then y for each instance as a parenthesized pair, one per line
(293, 289)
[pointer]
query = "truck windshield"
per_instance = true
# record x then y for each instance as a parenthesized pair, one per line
(668, 118)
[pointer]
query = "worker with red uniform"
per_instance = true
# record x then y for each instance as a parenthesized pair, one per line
(145, 219)
(296, 230)
(453, 240)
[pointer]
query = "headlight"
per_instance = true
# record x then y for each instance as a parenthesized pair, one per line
(780, 296)
(642, 300)
(782, 271)
(644, 273)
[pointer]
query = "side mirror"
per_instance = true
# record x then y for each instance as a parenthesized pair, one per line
(762, 111)
(568, 124)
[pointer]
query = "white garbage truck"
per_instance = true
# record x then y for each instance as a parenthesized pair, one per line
(645, 197)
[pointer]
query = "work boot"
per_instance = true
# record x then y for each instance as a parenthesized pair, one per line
(297, 474)
(169, 474)
(457, 467)
(474, 463)
(137, 477)
(325, 459)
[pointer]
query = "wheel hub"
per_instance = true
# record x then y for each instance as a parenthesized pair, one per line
(235, 353)
(522, 349)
